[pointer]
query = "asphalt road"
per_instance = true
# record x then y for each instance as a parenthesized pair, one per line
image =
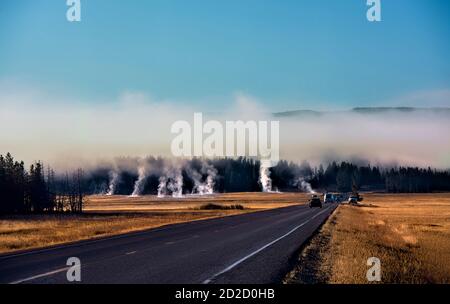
(249, 248)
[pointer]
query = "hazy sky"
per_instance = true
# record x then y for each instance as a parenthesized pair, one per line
(115, 82)
(289, 54)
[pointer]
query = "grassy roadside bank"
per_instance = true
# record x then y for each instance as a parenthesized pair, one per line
(410, 234)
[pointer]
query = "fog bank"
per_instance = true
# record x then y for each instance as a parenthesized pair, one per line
(70, 134)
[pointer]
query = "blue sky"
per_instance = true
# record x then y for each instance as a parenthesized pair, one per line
(288, 54)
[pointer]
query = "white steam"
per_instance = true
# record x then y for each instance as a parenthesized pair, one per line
(203, 186)
(264, 176)
(162, 187)
(140, 183)
(304, 186)
(171, 183)
(114, 178)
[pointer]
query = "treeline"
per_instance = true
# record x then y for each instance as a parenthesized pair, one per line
(345, 177)
(242, 175)
(38, 190)
(230, 175)
(416, 180)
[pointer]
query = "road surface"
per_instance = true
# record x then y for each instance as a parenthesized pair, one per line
(250, 248)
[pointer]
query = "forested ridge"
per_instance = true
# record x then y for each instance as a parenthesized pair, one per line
(39, 189)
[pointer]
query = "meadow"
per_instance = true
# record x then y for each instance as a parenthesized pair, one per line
(111, 215)
(409, 233)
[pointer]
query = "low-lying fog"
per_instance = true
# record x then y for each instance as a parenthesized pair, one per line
(70, 134)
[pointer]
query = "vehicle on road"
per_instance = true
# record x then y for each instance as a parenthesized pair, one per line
(329, 198)
(315, 202)
(339, 198)
(354, 199)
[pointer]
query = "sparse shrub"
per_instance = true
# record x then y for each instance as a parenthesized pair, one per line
(212, 206)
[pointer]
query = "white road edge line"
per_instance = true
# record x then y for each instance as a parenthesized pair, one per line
(207, 281)
(40, 275)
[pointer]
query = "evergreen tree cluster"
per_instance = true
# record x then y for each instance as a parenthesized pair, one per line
(37, 190)
(242, 175)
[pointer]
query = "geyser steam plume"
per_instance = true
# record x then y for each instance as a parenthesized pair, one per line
(171, 182)
(162, 187)
(113, 180)
(139, 184)
(176, 185)
(203, 187)
(305, 186)
(264, 176)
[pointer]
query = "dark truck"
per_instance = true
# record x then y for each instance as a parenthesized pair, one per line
(315, 202)
(355, 198)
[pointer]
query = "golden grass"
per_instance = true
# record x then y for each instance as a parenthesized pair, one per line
(410, 234)
(34, 231)
(113, 215)
(151, 202)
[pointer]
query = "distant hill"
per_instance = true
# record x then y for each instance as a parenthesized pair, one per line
(369, 110)
(366, 110)
(298, 113)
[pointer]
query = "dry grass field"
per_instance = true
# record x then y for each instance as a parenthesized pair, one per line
(110, 215)
(410, 234)
(153, 203)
